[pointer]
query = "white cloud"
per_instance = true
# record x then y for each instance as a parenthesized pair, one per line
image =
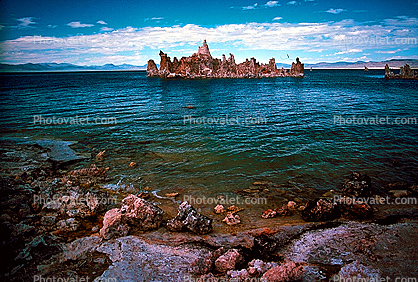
(277, 18)
(335, 38)
(250, 7)
(157, 19)
(105, 28)
(102, 22)
(349, 51)
(335, 11)
(362, 58)
(389, 51)
(401, 21)
(403, 57)
(52, 26)
(272, 4)
(291, 3)
(25, 22)
(78, 25)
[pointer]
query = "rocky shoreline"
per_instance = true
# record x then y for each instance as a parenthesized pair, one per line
(59, 222)
(203, 65)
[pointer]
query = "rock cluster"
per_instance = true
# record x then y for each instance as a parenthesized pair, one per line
(135, 213)
(231, 218)
(405, 73)
(284, 210)
(320, 210)
(350, 205)
(203, 65)
(357, 185)
(346, 207)
(189, 219)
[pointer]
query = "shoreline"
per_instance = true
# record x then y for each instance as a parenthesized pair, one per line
(28, 171)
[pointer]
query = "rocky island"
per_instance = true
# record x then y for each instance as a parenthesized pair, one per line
(203, 65)
(405, 72)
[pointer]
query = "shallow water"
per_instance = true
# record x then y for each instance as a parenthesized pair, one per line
(292, 139)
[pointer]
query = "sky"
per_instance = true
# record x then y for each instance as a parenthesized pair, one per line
(132, 32)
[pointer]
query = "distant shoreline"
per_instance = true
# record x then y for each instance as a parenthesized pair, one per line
(144, 71)
(66, 71)
(58, 68)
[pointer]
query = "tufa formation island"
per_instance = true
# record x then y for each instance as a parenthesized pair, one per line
(203, 65)
(405, 72)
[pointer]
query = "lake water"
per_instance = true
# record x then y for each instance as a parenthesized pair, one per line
(282, 130)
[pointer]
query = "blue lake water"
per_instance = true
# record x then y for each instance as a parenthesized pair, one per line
(290, 135)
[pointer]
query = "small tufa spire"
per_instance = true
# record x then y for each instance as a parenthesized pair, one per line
(204, 49)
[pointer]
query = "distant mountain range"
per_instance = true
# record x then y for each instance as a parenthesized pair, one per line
(46, 67)
(413, 63)
(51, 67)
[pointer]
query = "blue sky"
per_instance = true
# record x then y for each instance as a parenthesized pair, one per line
(99, 32)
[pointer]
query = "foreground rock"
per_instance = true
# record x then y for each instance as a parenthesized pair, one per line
(228, 261)
(135, 260)
(188, 219)
(292, 271)
(73, 204)
(345, 207)
(388, 249)
(232, 219)
(203, 65)
(357, 185)
(308, 253)
(135, 214)
(351, 208)
(320, 210)
(126, 259)
(357, 271)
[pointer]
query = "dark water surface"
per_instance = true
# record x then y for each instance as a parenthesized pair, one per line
(291, 136)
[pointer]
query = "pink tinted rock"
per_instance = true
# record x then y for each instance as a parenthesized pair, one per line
(268, 213)
(284, 273)
(232, 219)
(135, 213)
(113, 225)
(228, 261)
